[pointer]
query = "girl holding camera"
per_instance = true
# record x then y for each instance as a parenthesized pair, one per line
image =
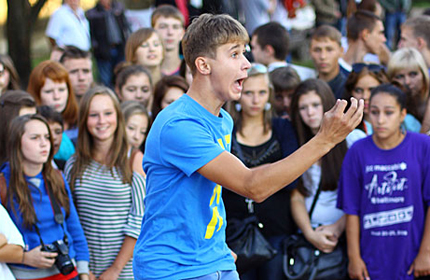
(40, 204)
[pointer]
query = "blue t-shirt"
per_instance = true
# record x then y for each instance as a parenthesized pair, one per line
(183, 228)
(389, 190)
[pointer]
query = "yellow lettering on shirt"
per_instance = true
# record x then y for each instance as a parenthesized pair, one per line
(210, 229)
(216, 199)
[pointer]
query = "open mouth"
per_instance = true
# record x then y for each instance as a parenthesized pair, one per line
(240, 82)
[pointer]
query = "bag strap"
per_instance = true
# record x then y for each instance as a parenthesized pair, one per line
(314, 202)
(58, 215)
(239, 152)
(238, 149)
(307, 265)
(3, 190)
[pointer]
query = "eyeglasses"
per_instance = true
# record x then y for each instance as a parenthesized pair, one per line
(357, 67)
(257, 68)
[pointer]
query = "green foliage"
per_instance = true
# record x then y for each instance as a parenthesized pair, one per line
(421, 4)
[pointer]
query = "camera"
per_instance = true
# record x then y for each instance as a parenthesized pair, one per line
(62, 261)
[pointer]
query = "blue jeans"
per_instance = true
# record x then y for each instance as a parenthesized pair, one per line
(106, 67)
(219, 275)
(393, 21)
(272, 269)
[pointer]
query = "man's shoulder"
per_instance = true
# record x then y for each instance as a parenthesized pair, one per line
(304, 72)
(179, 112)
(360, 146)
(97, 11)
(61, 12)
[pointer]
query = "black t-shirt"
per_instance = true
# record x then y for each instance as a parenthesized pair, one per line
(274, 213)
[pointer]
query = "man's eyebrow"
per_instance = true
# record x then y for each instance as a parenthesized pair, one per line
(234, 47)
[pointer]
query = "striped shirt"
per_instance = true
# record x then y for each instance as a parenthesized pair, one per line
(109, 210)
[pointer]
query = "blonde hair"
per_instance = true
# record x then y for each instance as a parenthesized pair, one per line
(407, 58)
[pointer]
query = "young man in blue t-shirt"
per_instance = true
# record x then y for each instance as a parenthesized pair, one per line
(187, 160)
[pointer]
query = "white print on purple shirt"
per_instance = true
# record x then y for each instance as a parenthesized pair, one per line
(387, 218)
(390, 167)
(388, 186)
(389, 233)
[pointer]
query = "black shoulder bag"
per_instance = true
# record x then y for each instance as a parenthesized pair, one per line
(245, 239)
(305, 262)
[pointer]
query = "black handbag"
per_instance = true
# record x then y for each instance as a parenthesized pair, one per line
(246, 240)
(303, 261)
(244, 237)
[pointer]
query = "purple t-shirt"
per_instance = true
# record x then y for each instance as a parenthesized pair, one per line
(389, 190)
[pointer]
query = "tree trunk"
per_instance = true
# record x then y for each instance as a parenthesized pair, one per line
(21, 17)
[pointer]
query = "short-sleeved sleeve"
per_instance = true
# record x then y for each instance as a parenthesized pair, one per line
(134, 219)
(68, 168)
(349, 190)
(75, 229)
(425, 163)
(53, 29)
(9, 229)
(188, 145)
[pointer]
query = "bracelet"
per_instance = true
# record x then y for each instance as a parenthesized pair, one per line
(23, 254)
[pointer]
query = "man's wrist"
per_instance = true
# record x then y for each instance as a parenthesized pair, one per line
(323, 143)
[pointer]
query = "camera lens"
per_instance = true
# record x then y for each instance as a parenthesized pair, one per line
(64, 264)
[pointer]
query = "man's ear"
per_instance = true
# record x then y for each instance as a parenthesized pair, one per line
(364, 34)
(422, 44)
(268, 49)
(202, 65)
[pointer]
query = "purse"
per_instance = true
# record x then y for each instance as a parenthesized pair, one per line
(302, 260)
(246, 240)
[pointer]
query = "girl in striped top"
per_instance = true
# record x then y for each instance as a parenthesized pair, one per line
(108, 194)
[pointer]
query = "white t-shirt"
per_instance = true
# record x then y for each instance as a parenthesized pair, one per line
(13, 236)
(325, 212)
(69, 28)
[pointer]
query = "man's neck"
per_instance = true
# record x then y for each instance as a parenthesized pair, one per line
(327, 77)
(171, 62)
(155, 73)
(74, 9)
(355, 53)
(203, 93)
(426, 55)
(274, 60)
(106, 6)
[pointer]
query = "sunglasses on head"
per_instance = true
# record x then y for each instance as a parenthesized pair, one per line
(357, 67)
(257, 68)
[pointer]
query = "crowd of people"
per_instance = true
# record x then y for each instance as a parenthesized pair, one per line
(198, 122)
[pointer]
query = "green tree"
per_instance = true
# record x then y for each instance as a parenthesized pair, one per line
(21, 18)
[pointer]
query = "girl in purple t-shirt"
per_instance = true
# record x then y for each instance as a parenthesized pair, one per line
(384, 189)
